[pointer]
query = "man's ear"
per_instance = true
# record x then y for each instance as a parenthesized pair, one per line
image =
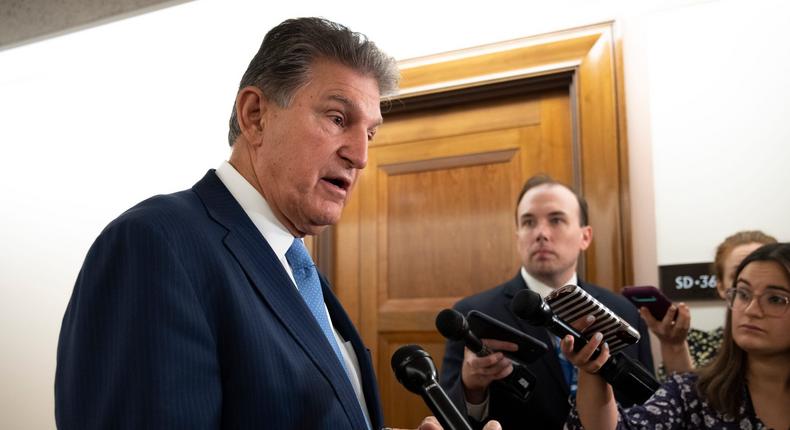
(250, 108)
(587, 234)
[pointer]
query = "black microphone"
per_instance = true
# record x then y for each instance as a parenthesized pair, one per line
(415, 370)
(624, 374)
(452, 324)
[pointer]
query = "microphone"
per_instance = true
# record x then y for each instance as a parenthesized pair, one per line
(624, 374)
(453, 325)
(529, 306)
(415, 370)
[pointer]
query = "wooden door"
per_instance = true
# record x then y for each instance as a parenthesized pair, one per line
(437, 206)
(432, 218)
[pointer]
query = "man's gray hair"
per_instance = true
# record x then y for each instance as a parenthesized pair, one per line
(282, 64)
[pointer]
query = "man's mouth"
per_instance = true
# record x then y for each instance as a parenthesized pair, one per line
(338, 181)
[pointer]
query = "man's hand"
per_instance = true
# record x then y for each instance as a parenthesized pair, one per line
(477, 373)
(431, 423)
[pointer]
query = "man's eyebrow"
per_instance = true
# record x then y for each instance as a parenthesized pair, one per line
(342, 100)
(350, 105)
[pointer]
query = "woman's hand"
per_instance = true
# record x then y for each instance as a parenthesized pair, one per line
(594, 397)
(673, 328)
(672, 332)
(583, 358)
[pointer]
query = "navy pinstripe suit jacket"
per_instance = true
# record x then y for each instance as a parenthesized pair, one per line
(182, 317)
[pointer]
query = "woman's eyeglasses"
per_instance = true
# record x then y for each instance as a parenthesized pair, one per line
(773, 303)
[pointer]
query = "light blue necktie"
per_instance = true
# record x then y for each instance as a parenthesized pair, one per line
(569, 371)
(306, 277)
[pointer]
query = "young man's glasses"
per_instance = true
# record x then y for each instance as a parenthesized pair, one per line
(773, 303)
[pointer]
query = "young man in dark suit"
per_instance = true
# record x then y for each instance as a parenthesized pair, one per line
(552, 229)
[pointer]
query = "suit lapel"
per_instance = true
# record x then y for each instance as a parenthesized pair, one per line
(549, 361)
(275, 287)
(346, 328)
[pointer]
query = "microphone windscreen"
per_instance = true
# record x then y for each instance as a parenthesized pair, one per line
(413, 367)
(451, 324)
(403, 355)
(528, 305)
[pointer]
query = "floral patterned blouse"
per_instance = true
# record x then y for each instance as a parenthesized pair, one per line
(703, 346)
(675, 406)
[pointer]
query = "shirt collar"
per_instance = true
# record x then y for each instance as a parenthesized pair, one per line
(259, 211)
(540, 287)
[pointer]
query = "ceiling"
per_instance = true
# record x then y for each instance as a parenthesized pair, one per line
(27, 21)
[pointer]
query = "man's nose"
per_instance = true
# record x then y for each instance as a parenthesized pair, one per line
(355, 148)
(541, 231)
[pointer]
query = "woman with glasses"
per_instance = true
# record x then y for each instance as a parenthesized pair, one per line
(746, 385)
(682, 349)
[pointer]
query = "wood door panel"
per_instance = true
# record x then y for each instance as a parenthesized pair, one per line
(443, 202)
(399, 315)
(448, 233)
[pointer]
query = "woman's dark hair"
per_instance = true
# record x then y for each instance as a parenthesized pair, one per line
(720, 381)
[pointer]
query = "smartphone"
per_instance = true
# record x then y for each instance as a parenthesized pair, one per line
(485, 326)
(650, 297)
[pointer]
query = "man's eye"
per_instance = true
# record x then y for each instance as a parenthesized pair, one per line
(778, 299)
(338, 120)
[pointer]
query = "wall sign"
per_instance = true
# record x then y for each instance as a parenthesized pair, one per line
(694, 281)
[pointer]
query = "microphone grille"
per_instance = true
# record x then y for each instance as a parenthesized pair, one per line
(404, 355)
(413, 367)
(527, 305)
(451, 324)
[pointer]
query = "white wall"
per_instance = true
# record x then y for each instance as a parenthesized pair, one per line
(92, 122)
(719, 112)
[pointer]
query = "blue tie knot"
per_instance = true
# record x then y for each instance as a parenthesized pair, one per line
(298, 257)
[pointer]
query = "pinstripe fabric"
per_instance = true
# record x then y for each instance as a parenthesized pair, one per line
(183, 318)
